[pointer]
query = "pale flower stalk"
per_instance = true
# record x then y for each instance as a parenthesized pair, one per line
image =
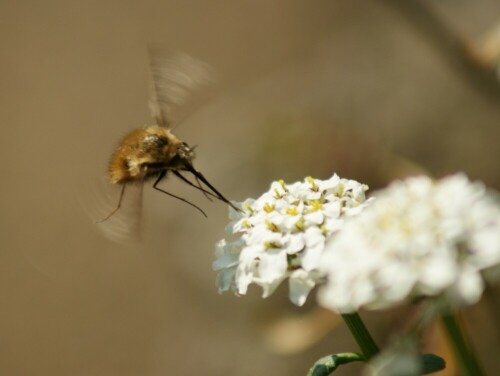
(282, 235)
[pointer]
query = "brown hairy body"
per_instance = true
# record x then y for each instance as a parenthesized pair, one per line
(153, 151)
(144, 152)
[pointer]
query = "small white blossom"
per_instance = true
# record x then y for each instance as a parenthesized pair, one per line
(282, 235)
(420, 238)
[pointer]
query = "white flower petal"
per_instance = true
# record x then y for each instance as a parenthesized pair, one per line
(273, 265)
(315, 218)
(269, 287)
(294, 243)
(225, 280)
(300, 285)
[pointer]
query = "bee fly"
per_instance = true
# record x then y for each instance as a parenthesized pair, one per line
(153, 152)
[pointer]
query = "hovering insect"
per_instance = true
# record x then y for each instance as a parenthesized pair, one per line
(153, 152)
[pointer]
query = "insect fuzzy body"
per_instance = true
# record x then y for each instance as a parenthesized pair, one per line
(153, 151)
(145, 152)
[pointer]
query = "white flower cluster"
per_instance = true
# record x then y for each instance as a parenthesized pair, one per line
(283, 235)
(420, 238)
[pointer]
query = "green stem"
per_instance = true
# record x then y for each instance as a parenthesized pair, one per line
(358, 329)
(464, 354)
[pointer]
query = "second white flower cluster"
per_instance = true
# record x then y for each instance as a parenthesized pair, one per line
(419, 238)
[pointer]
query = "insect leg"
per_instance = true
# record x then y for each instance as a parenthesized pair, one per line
(160, 177)
(117, 206)
(205, 192)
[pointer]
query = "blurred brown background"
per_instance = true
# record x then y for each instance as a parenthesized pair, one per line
(371, 90)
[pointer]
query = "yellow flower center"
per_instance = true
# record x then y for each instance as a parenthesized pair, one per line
(315, 205)
(323, 229)
(268, 208)
(283, 185)
(271, 245)
(271, 226)
(311, 181)
(246, 224)
(300, 225)
(249, 208)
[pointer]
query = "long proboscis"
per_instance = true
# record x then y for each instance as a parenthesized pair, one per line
(217, 194)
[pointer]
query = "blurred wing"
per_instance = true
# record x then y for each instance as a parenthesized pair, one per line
(124, 226)
(173, 76)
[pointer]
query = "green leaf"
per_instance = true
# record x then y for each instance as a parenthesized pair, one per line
(431, 363)
(328, 364)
